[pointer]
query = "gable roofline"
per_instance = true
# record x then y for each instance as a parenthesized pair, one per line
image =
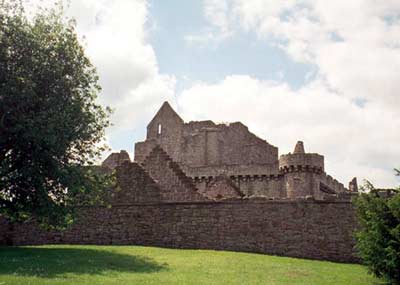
(165, 107)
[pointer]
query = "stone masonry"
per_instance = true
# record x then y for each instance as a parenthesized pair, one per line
(205, 151)
(296, 228)
(213, 186)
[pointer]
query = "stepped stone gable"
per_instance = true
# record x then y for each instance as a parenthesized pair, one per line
(115, 159)
(213, 186)
(173, 182)
(134, 186)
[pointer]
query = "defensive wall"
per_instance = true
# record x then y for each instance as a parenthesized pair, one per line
(143, 212)
(213, 186)
(306, 229)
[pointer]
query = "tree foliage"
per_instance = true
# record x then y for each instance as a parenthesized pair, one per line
(378, 240)
(50, 124)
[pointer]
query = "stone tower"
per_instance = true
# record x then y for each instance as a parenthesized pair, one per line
(300, 170)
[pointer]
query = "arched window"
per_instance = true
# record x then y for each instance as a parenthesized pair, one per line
(159, 129)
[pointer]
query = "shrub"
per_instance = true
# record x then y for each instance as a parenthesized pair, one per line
(378, 238)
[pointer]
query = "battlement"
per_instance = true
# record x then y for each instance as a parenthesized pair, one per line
(191, 157)
(299, 161)
(239, 178)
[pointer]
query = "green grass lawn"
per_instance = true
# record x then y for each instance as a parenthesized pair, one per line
(149, 265)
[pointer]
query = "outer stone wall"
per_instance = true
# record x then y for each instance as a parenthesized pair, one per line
(307, 229)
(5, 235)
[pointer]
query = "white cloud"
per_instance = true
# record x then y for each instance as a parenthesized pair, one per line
(356, 48)
(354, 45)
(356, 141)
(117, 44)
(115, 40)
(216, 13)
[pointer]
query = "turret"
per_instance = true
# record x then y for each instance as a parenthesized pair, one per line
(300, 169)
(301, 161)
(299, 148)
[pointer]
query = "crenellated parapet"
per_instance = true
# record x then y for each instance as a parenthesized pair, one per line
(239, 178)
(268, 185)
(220, 157)
(299, 161)
(317, 169)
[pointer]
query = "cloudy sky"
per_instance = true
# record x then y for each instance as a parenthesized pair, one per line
(325, 72)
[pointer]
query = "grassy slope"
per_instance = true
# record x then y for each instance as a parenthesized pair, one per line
(148, 265)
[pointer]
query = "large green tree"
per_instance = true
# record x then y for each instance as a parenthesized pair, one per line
(378, 239)
(50, 123)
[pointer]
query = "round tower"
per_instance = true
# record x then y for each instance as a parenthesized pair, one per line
(299, 169)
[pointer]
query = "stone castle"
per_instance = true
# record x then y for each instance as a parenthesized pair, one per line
(212, 186)
(221, 161)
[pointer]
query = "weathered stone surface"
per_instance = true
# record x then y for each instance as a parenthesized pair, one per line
(307, 229)
(199, 144)
(215, 186)
(353, 185)
(173, 182)
(221, 187)
(134, 186)
(116, 159)
(299, 148)
(204, 151)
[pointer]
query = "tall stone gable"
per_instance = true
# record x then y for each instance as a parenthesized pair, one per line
(204, 151)
(166, 129)
(207, 148)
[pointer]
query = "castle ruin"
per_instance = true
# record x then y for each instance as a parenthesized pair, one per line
(213, 186)
(220, 161)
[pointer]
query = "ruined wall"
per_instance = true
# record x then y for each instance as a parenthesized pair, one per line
(204, 150)
(332, 183)
(143, 149)
(140, 215)
(134, 186)
(173, 183)
(221, 187)
(231, 170)
(115, 159)
(165, 129)
(210, 145)
(271, 186)
(307, 229)
(203, 147)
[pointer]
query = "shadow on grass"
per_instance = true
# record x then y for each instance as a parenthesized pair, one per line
(52, 262)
